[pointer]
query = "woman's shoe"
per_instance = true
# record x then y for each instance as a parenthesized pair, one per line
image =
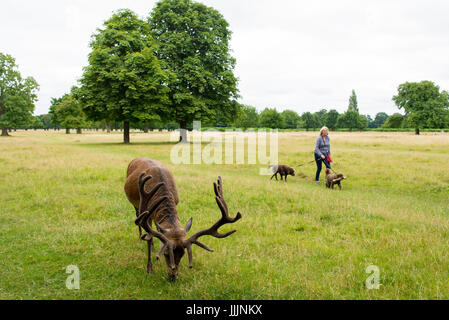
(317, 182)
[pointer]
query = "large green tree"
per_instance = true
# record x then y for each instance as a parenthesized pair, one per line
(363, 122)
(308, 121)
(349, 120)
(193, 40)
(17, 96)
(353, 104)
(69, 112)
(394, 121)
(271, 118)
(248, 117)
(291, 119)
(320, 117)
(379, 120)
(36, 123)
(53, 105)
(331, 119)
(47, 121)
(424, 104)
(124, 80)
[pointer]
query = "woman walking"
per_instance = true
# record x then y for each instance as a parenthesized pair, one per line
(322, 151)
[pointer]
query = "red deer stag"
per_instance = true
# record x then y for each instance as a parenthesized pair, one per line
(151, 189)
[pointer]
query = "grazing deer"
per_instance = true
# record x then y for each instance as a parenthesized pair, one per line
(151, 189)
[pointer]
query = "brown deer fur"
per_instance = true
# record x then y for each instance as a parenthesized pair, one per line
(282, 170)
(333, 179)
(151, 189)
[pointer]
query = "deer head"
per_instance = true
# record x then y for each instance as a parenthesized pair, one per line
(173, 239)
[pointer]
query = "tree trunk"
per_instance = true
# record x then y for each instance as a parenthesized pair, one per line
(183, 132)
(417, 131)
(126, 132)
(5, 132)
(79, 131)
(108, 127)
(67, 130)
(145, 129)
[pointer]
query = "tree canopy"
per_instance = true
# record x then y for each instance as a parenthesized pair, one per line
(17, 95)
(331, 119)
(394, 121)
(248, 117)
(379, 120)
(424, 104)
(320, 118)
(69, 112)
(353, 104)
(124, 80)
(308, 121)
(291, 119)
(193, 41)
(349, 120)
(271, 118)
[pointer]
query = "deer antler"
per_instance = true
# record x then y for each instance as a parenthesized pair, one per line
(143, 220)
(145, 197)
(213, 231)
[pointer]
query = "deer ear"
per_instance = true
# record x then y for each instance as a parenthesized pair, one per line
(188, 225)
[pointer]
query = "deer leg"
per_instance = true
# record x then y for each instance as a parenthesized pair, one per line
(339, 185)
(152, 242)
(285, 178)
(140, 228)
(150, 262)
(272, 176)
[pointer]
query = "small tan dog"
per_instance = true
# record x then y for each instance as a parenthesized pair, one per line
(333, 179)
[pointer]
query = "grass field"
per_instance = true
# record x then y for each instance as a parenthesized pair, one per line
(62, 203)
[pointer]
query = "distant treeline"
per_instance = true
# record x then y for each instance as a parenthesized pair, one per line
(427, 114)
(250, 118)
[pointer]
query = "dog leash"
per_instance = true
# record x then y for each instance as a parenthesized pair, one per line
(325, 161)
(300, 165)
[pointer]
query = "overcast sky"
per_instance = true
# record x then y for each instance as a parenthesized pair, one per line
(300, 55)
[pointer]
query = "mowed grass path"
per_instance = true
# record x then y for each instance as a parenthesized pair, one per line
(62, 203)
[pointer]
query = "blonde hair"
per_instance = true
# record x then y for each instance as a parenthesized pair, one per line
(322, 129)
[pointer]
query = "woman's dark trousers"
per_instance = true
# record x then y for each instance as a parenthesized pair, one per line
(319, 164)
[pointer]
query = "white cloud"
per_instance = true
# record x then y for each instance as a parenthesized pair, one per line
(301, 55)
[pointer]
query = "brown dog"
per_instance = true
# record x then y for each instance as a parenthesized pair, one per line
(333, 179)
(282, 170)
